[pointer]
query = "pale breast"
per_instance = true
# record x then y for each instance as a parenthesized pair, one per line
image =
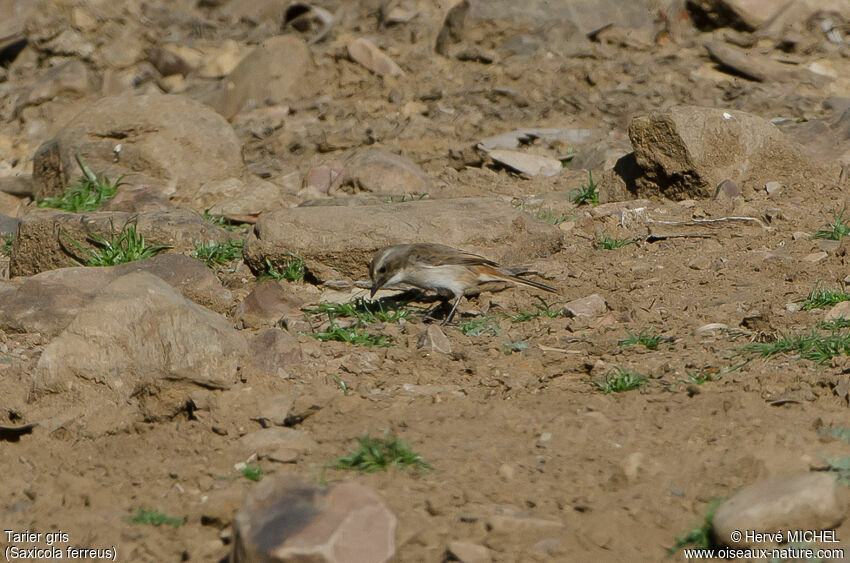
(453, 278)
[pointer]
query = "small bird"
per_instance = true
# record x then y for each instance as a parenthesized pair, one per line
(439, 268)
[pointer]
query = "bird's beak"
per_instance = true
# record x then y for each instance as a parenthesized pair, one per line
(374, 290)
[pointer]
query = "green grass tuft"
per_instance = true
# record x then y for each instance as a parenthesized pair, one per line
(6, 248)
(822, 298)
(252, 471)
(837, 230)
(479, 326)
(221, 221)
(647, 338)
(219, 253)
(379, 454)
(543, 309)
(545, 214)
(588, 194)
(126, 246)
(699, 537)
(88, 194)
(363, 310)
(835, 324)
(154, 518)
(353, 335)
(610, 243)
(814, 346)
(699, 377)
(514, 346)
(293, 270)
(619, 380)
(840, 466)
(842, 433)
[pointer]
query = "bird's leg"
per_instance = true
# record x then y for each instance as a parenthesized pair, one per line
(452, 313)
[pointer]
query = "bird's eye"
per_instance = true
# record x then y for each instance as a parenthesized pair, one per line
(382, 270)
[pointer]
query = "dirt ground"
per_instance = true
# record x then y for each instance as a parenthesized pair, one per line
(601, 477)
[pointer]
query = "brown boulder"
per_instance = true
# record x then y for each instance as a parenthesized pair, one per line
(44, 239)
(140, 333)
(278, 71)
(346, 237)
(285, 520)
(49, 301)
(266, 305)
(381, 171)
(686, 151)
(180, 144)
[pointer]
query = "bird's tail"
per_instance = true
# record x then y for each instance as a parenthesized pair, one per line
(507, 275)
(533, 283)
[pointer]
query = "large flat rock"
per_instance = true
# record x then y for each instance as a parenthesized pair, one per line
(42, 242)
(138, 335)
(49, 301)
(346, 237)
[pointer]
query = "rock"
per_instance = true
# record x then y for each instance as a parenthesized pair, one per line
(122, 47)
(13, 22)
(173, 59)
(527, 163)
(8, 225)
(759, 67)
(832, 246)
(188, 276)
(383, 172)
(142, 199)
(434, 340)
(267, 303)
(511, 521)
(685, 151)
(590, 306)
(43, 242)
(727, 189)
(547, 136)
(180, 145)
(221, 58)
(237, 196)
(48, 302)
(279, 71)
(263, 441)
(69, 42)
(587, 15)
(274, 410)
(68, 79)
(467, 552)
(484, 226)
(254, 10)
(773, 188)
(139, 334)
(273, 350)
(220, 506)
(807, 501)
(20, 186)
(287, 520)
(745, 15)
(814, 257)
(324, 178)
(838, 311)
(368, 54)
(10, 205)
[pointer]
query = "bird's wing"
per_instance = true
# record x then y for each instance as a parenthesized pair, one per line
(442, 255)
